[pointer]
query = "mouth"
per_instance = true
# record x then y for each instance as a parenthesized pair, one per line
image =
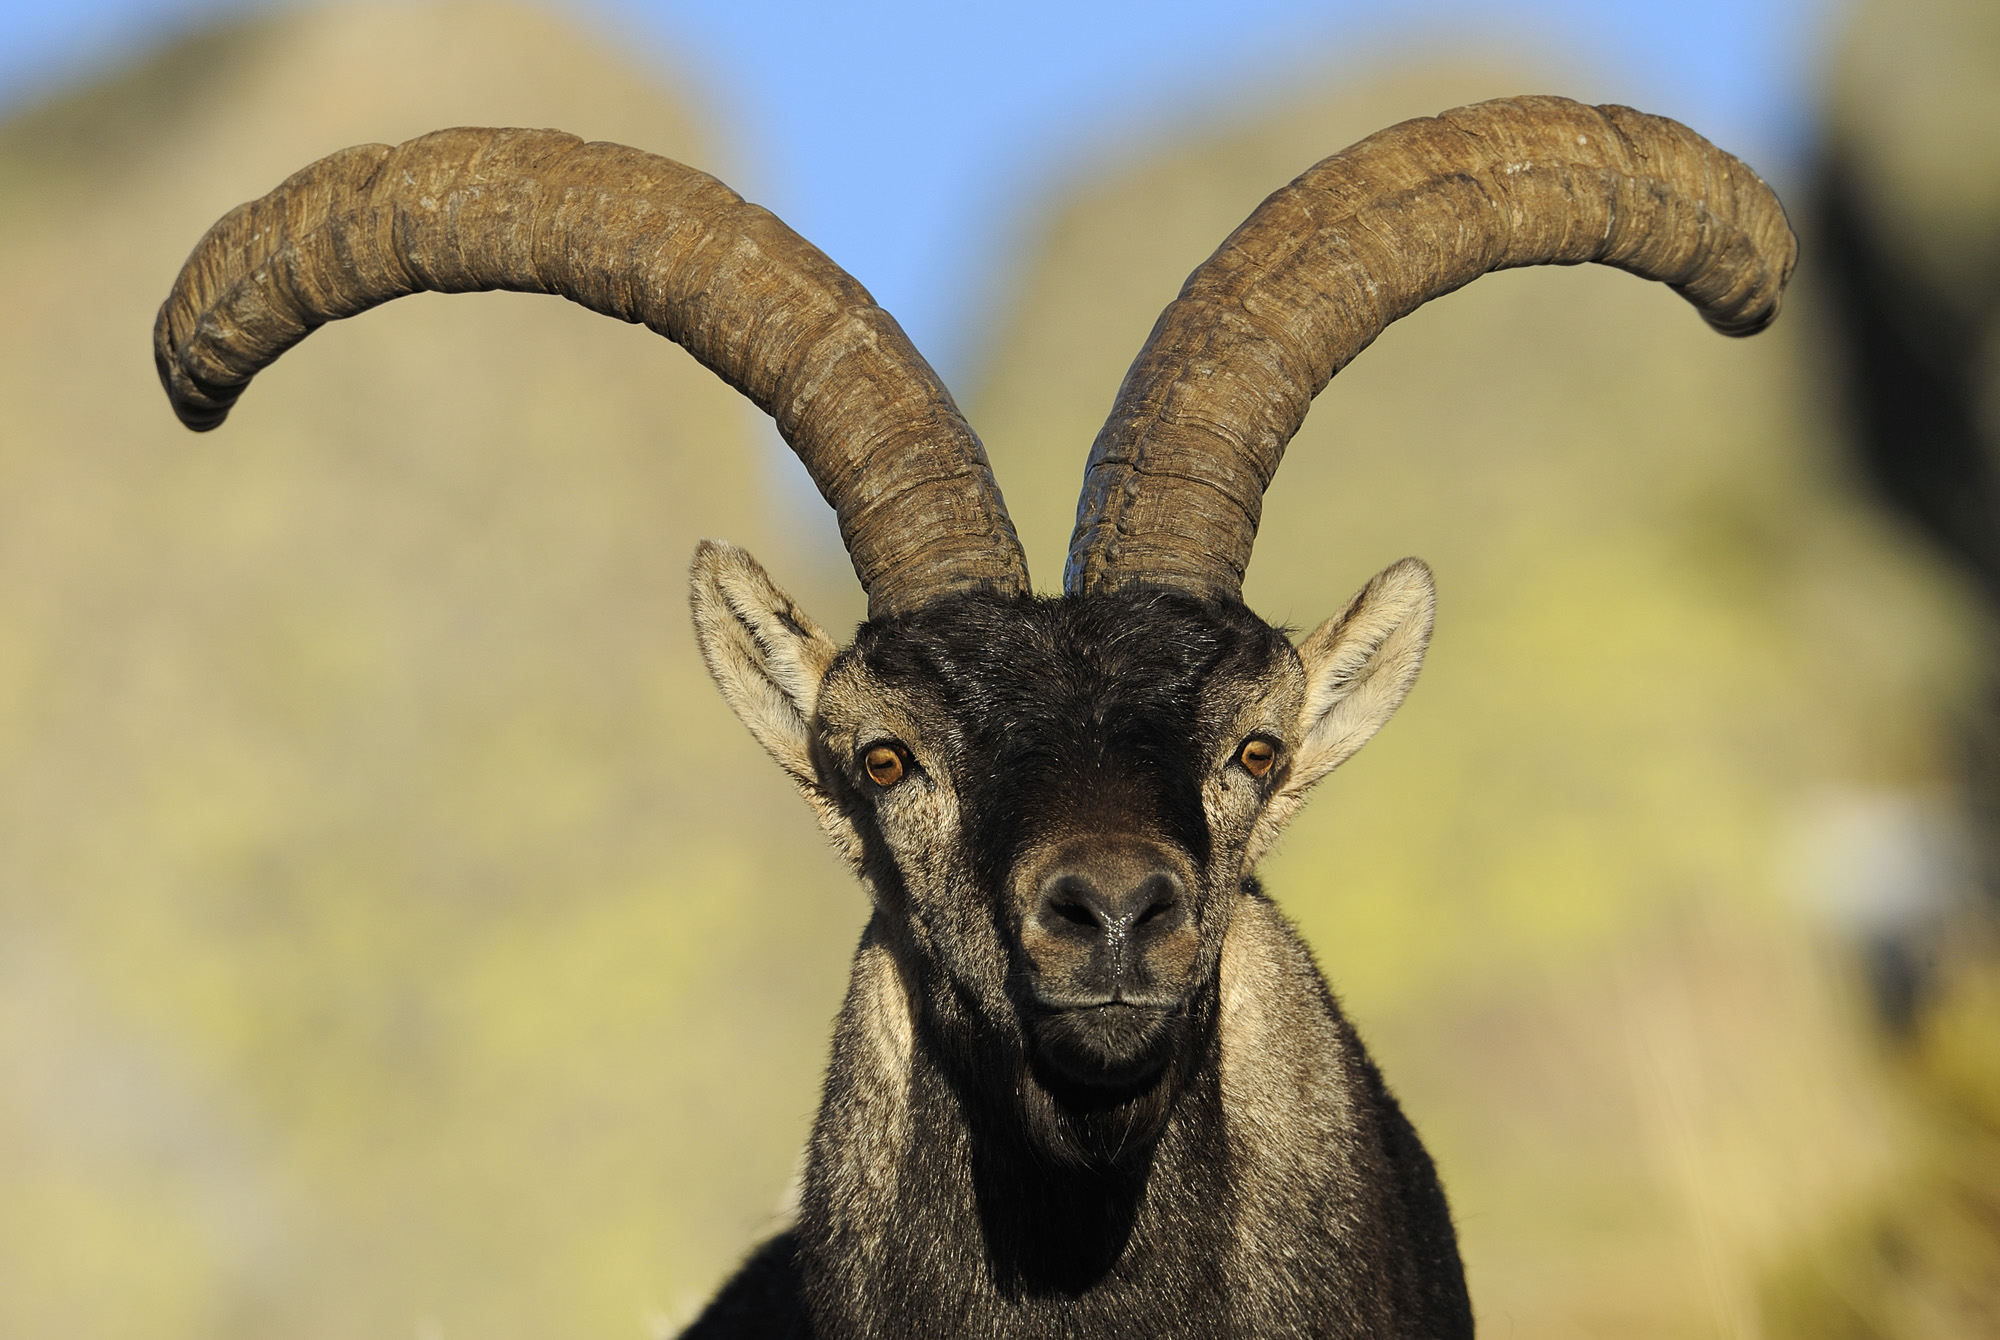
(1109, 1045)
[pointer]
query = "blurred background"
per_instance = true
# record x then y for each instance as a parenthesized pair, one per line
(398, 937)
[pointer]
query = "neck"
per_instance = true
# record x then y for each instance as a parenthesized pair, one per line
(1284, 1193)
(931, 1162)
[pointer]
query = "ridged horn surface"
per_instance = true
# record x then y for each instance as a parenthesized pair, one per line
(641, 238)
(1175, 483)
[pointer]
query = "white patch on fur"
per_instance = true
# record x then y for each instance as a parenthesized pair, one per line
(1284, 1089)
(892, 1036)
(875, 1129)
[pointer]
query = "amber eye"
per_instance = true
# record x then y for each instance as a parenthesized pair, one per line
(1257, 756)
(885, 765)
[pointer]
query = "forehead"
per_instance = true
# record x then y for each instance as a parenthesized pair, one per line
(1102, 664)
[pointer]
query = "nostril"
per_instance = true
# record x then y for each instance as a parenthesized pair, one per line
(1158, 897)
(1073, 900)
(1076, 914)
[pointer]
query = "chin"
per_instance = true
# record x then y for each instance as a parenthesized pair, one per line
(1102, 1088)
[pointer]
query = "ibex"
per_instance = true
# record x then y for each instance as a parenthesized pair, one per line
(1087, 1080)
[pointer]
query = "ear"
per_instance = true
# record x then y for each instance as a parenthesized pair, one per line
(763, 652)
(1359, 665)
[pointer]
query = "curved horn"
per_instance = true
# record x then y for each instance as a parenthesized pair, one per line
(641, 238)
(1176, 478)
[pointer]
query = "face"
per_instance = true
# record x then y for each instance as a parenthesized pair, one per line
(1056, 798)
(1055, 803)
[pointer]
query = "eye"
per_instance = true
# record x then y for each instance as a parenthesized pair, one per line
(884, 764)
(1257, 755)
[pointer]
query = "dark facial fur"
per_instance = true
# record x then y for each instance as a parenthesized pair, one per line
(1058, 856)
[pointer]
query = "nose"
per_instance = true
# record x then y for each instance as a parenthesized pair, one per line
(1112, 897)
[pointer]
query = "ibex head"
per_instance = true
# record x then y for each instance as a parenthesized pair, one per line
(1054, 800)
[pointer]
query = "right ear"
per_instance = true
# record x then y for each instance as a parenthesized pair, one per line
(765, 654)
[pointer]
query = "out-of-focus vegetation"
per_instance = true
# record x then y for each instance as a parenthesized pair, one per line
(396, 936)
(1920, 1260)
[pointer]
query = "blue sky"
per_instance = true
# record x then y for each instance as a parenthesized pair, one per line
(908, 139)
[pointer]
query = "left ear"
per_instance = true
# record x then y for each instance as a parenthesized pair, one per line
(1359, 665)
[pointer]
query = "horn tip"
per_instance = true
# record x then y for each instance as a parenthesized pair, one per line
(199, 420)
(1743, 324)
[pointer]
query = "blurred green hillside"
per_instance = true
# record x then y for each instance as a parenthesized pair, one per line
(398, 938)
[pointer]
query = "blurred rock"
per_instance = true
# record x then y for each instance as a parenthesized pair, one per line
(1906, 216)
